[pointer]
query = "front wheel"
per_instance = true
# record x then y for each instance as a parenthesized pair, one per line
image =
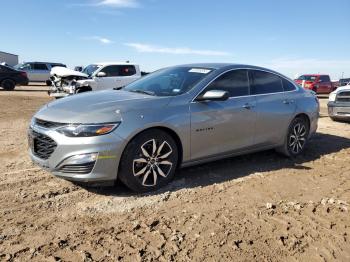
(8, 84)
(296, 138)
(149, 161)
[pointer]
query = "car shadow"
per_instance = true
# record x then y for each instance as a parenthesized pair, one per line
(236, 167)
(27, 89)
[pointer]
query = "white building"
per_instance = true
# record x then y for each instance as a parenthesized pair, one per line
(8, 58)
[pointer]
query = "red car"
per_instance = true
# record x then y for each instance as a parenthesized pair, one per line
(321, 84)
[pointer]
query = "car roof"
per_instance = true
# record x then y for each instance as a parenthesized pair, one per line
(315, 75)
(228, 66)
(113, 63)
(38, 62)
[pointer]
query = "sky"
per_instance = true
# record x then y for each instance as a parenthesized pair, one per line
(292, 37)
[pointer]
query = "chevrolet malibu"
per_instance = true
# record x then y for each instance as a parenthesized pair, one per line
(175, 117)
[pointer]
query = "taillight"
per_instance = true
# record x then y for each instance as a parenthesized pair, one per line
(24, 74)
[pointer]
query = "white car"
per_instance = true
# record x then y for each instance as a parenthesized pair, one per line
(38, 71)
(94, 77)
(339, 104)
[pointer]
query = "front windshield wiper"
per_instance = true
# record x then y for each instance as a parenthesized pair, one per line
(142, 92)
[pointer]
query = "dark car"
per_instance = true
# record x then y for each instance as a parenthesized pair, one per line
(10, 77)
(344, 81)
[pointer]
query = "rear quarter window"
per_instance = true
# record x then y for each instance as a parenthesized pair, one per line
(287, 85)
(265, 83)
(128, 70)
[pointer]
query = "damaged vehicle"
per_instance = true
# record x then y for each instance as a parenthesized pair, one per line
(94, 77)
(64, 82)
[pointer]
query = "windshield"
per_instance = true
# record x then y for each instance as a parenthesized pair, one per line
(22, 66)
(307, 78)
(90, 69)
(170, 81)
(18, 66)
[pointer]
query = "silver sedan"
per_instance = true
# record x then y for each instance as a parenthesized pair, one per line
(175, 117)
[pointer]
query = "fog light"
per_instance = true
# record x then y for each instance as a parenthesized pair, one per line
(80, 159)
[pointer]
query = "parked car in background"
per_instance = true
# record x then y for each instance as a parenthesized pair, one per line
(94, 77)
(38, 71)
(10, 77)
(320, 84)
(110, 75)
(344, 81)
(339, 103)
(174, 117)
(78, 68)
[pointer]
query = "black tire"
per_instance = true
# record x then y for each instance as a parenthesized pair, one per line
(296, 138)
(8, 84)
(147, 171)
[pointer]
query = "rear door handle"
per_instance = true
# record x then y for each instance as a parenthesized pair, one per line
(248, 106)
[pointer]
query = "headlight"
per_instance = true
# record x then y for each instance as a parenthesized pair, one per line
(332, 97)
(81, 130)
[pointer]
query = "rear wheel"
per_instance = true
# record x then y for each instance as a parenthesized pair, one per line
(149, 161)
(296, 138)
(8, 84)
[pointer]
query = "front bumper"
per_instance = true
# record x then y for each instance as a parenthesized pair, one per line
(108, 147)
(339, 110)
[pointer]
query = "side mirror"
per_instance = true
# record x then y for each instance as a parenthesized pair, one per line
(213, 95)
(101, 74)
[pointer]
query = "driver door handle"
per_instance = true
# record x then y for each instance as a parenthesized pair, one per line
(287, 101)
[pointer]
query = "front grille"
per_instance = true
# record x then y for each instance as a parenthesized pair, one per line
(343, 96)
(78, 169)
(48, 124)
(43, 146)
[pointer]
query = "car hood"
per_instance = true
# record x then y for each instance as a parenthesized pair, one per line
(65, 72)
(342, 88)
(99, 107)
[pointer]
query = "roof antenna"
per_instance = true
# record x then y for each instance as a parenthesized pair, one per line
(127, 61)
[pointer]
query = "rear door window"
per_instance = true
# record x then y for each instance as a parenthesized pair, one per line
(234, 82)
(40, 66)
(265, 83)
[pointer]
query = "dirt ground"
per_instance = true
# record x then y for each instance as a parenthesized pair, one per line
(257, 207)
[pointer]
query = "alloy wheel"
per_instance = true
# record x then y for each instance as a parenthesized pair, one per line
(153, 162)
(297, 138)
